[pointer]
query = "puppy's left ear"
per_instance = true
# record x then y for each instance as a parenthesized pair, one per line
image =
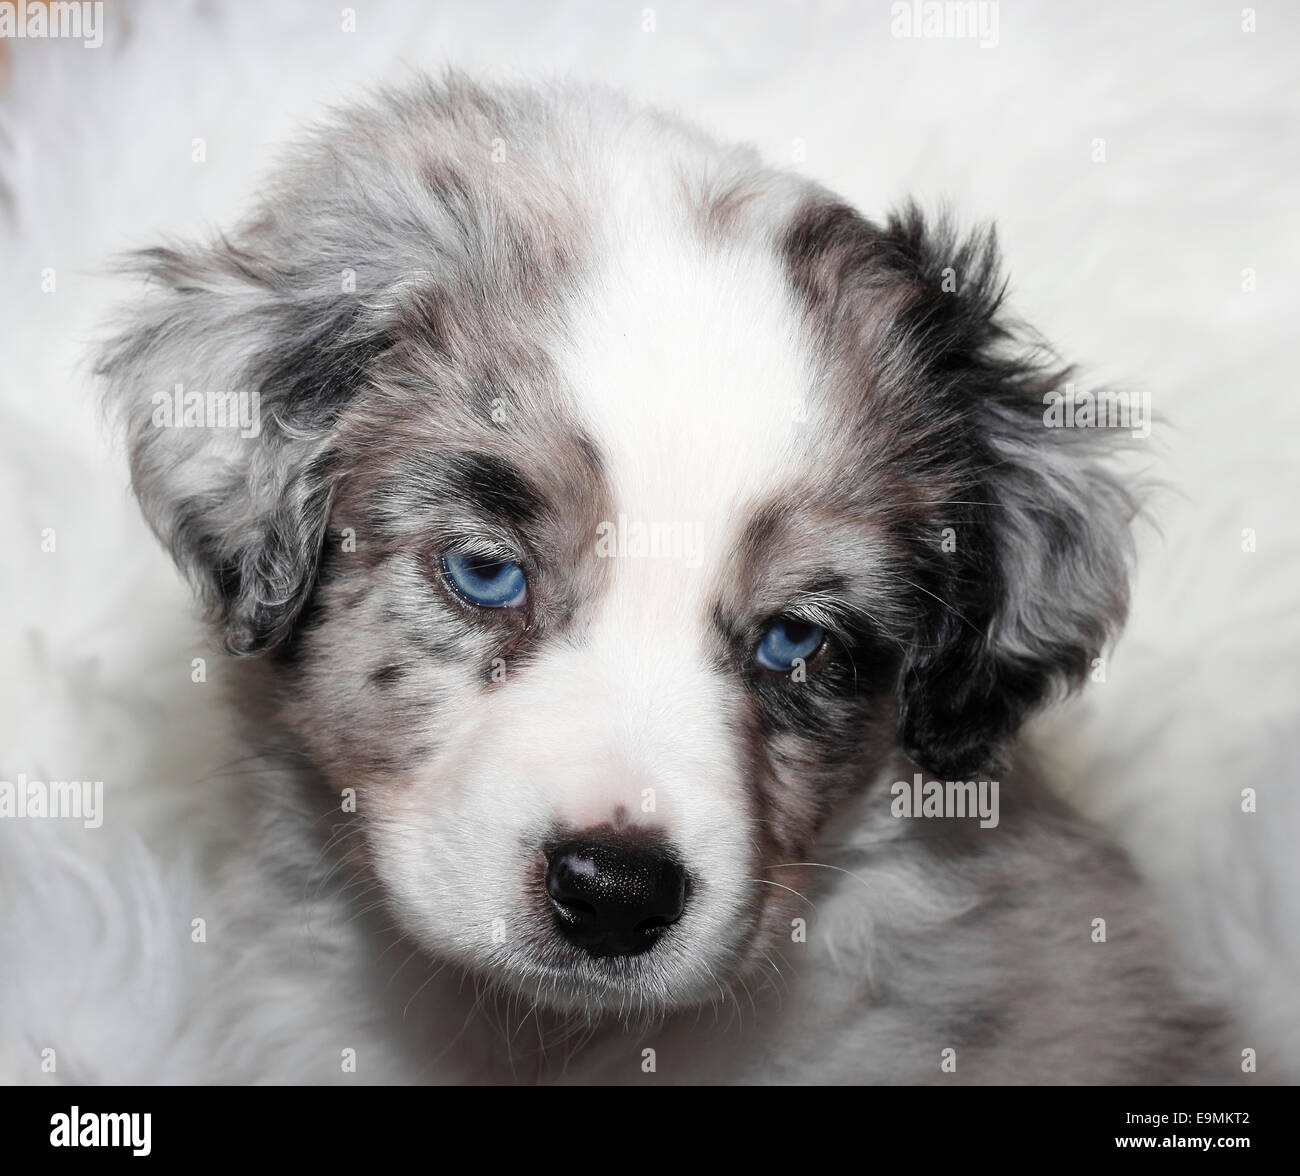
(1034, 581)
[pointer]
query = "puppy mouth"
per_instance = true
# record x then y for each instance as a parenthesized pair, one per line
(609, 984)
(681, 970)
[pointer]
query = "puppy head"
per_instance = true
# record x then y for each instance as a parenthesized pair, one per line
(617, 509)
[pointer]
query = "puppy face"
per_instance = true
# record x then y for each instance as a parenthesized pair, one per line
(628, 508)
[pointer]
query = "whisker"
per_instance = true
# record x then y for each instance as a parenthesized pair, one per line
(782, 886)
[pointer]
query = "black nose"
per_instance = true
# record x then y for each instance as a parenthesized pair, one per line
(614, 897)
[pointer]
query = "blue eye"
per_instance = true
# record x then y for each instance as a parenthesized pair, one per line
(786, 641)
(489, 583)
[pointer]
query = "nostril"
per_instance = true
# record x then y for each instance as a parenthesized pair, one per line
(561, 889)
(614, 896)
(577, 906)
(573, 912)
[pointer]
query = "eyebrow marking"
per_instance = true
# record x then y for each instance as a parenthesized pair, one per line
(494, 485)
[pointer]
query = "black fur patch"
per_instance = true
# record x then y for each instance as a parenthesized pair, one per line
(486, 480)
(949, 395)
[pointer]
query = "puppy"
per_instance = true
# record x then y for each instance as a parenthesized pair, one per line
(637, 566)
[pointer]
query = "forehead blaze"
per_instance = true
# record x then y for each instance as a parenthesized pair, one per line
(688, 368)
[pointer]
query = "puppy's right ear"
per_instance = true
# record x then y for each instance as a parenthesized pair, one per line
(228, 376)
